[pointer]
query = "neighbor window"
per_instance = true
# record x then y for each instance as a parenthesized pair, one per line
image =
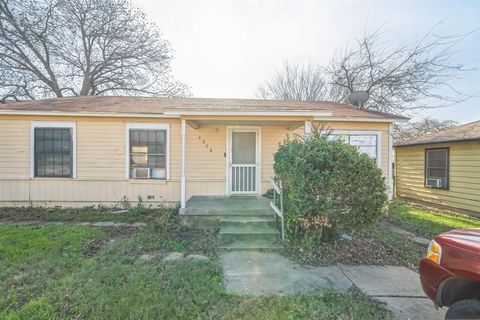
(436, 168)
(366, 143)
(53, 151)
(148, 153)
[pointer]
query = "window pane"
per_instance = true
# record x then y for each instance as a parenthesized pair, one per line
(52, 152)
(437, 173)
(436, 167)
(370, 151)
(147, 150)
(363, 140)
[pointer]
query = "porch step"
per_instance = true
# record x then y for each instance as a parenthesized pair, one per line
(248, 232)
(246, 221)
(257, 245)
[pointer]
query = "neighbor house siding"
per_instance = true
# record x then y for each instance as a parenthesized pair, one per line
(464, 175)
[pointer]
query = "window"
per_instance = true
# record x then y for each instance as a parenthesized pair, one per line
(436, 168)
(148, 147)
(53, 150)
(367, 143)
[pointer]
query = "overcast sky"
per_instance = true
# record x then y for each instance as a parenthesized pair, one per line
(226, 48)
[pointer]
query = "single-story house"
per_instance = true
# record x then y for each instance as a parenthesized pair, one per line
(78, 151)
(442, 168)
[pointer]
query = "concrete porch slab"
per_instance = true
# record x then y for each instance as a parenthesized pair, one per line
(224, 206)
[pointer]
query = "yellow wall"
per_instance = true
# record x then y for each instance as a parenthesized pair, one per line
(464, 176)
(101, 167)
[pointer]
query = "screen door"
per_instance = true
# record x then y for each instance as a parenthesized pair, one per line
(243, 166)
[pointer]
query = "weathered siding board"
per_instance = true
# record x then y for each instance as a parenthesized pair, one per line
(464, 177)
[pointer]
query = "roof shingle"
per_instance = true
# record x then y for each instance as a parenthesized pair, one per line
(465, 132)
(162, 105)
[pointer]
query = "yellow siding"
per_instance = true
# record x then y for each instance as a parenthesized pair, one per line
(464, 177)
(101, 161)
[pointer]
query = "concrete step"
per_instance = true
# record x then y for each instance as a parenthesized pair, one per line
(247, 221)
(226, 212)
(249, 233)
(258, 245)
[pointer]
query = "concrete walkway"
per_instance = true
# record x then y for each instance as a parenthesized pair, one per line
(269, 273)
(252, 266)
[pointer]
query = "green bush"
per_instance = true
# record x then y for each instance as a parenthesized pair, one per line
(329, 187)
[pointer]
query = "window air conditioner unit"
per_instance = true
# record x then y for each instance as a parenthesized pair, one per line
(435, 183)
(141, 173)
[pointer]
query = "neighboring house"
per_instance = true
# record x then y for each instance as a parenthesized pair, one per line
(99, 150)
(441, 168)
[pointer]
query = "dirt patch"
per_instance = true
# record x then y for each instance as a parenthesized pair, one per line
(113, 235)
(362, 249)
(93, 247)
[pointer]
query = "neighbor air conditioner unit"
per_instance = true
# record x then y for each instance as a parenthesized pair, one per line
(434, 183)
(141, 173)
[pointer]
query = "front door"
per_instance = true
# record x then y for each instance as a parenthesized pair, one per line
(243, 171)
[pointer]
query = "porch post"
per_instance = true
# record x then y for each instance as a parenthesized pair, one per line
(184, 158)
(390, 161)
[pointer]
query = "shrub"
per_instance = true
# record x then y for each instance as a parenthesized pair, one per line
(329, 187)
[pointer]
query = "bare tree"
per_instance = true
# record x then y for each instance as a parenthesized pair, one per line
(55, 48)
(411, 76)
(407, 131)
(295, 81)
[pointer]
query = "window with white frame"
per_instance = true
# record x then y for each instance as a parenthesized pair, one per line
(436, 168)
(53, 150)
(148, 151)
(366, 143)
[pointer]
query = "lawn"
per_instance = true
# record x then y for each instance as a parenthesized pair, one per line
(78, 272)
(428, 222)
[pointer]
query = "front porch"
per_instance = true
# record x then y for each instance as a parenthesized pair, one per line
(230, 156)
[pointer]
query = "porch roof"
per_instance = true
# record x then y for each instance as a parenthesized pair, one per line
(181, 107)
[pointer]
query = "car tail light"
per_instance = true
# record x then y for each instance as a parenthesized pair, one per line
(434, 252)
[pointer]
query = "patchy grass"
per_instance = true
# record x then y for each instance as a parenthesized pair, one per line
(404, 251)
(138, 213)
(45, 274)
(32, 257)
(428, 222)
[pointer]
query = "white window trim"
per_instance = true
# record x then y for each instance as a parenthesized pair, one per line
(53, 124)
(147, 126)
(371, 133)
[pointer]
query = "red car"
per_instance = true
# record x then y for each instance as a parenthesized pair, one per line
(450, 274)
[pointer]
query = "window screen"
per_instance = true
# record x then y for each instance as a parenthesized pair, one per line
(148, 154)
(53, 152)
(436, 168)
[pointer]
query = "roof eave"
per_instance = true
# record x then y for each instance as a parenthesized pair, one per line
(317, 116)
(436, 142)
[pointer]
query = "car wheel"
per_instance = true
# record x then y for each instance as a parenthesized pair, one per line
(464, 309)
